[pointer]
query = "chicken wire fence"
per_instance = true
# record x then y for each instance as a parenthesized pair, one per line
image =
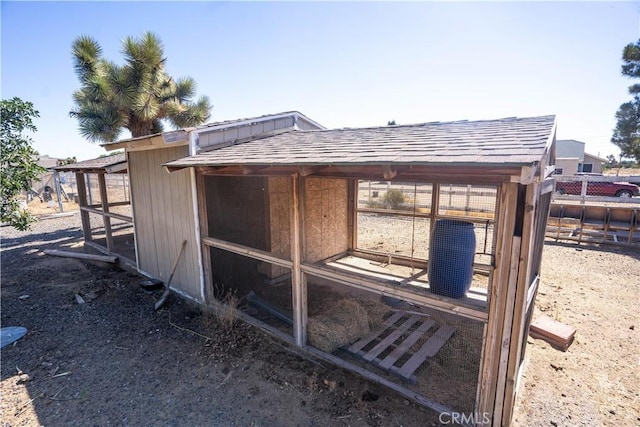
(244, 284)
(401, 231)
(427, 351)
(453, 230)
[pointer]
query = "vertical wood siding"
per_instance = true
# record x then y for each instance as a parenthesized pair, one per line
(163, 214)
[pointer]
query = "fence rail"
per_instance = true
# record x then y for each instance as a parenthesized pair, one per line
(603, 211)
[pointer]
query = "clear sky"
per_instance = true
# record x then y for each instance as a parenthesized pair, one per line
(343, 64)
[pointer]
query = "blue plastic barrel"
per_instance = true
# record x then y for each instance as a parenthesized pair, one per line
(451, 257)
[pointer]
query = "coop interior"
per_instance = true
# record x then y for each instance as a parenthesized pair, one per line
(397, 274)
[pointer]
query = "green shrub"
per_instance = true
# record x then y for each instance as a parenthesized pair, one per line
(393, 198)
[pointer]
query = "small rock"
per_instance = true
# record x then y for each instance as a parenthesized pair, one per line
(23, 297)
(331, 384)
(79, 299)
(612, 412)
(632, 327)
(23, 378)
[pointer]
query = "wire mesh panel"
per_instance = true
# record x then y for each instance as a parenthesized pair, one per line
(413, 197)
(478, 201)
(96, 222)
(393, 218)
(457, 237)
(429, 352)
(117, 187)
(253, 214)
(393, 234)
(245, 284)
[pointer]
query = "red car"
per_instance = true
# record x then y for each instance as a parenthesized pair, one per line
(603, 189)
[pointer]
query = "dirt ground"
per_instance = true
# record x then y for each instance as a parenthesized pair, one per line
(113, 360)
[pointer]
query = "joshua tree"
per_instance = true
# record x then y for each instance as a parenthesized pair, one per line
(138, 96)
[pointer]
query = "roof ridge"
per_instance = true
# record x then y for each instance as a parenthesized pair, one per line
(445, 123)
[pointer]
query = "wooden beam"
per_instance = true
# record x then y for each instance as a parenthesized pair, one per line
(107, 214)
(404, 293)
(132, 201)
(310, 170)
(505, 334)
(252, 170)
(437, 174)
(105, 210)
(519, 320)
(82, 200)
(486, 394)
(298, 282)
(203, 214)
(352, 211)
(246, 251)
(80, 255)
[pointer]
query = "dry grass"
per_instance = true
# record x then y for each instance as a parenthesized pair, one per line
(227, 316)
(344, 323)
(40, 209)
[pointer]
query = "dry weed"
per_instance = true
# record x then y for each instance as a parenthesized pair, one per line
(227, 315)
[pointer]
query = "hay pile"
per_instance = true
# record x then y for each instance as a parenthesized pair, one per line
(344, 323)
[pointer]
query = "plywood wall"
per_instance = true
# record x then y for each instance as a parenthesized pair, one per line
(280, 202)
(326, 218)
(163, 217)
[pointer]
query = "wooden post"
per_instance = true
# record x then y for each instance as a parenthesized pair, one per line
(352, 206)
(519, 320)
(105, 209)
(82, 199)
(56, 182)
(433, 213)
(204, 234)
(497, 298)
(298, 283)
(133, 204)
(505, 333)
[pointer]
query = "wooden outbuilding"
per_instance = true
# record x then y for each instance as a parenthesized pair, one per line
(105, 207)
(408, 254)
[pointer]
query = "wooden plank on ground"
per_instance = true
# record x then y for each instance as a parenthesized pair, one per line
(357, 346)
(429, 349)
(80, 255)
(390, 339)
(400, 350)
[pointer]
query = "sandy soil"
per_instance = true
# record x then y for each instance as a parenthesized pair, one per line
(113, 360)
(596, 382)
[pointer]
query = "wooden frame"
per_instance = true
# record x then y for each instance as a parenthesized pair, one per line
(102, 210)
(509, 295)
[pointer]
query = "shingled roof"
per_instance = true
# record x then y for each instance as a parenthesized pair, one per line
(509, 141)
(116, 162)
